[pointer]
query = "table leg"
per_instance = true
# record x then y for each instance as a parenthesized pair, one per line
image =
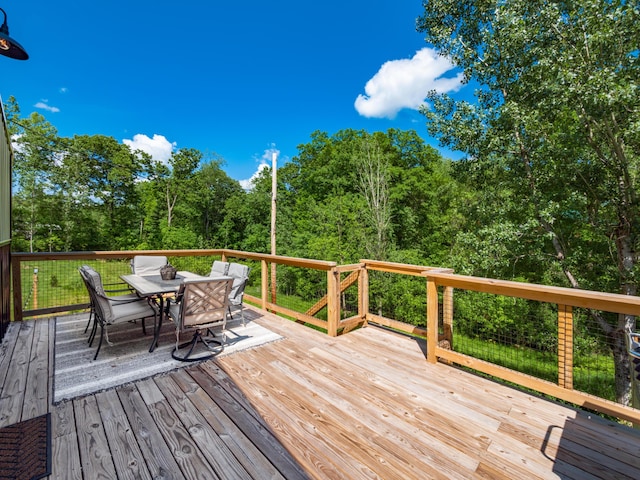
(157, 325)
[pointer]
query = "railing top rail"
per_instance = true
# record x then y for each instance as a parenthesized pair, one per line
(404, 268)
(88, 255)
(610, 302)
(109, 254)
(349, 268)
(291, 261)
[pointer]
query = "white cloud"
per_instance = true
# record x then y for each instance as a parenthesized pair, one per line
(405, 83)
(248, 184)
(63, 90)
(158, 147)
(265, 161)
(45, 106)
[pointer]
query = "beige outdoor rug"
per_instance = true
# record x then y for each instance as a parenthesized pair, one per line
(128, 358)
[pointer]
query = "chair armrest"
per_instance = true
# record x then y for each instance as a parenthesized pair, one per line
(118, 290)
(125, 287)
(128, 300)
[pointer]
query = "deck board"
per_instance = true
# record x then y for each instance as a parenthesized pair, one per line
(128, 459)
(225, 433)
(362, 405)
(14, 388)
(64, 448)
(96, 457)
(159, 459)
(36, 398)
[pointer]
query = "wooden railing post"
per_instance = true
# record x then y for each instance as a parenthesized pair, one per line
(363, 293)
(565, 346)
(432, 320)
(447, 315)
(264, 283)
(333, 301)
(17, 288)
(274, 285)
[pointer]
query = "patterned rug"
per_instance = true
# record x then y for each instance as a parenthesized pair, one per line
(25, 449)
(127, 358)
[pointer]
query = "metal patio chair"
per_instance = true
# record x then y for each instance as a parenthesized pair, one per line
(240, 275)
(108, 311)
(148, 264)
(200, 307)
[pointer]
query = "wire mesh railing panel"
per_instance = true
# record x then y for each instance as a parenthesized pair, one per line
(55, 283)
(511, 332)
(302, 290)
(49, 283)
(200, 265)
(593, 359)
(399, 297)
(349, 295)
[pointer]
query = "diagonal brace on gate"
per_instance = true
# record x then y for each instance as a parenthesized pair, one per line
(344, 284)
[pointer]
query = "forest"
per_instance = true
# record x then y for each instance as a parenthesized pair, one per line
(547, 191)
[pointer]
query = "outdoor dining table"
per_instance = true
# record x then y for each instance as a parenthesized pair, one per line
(154, 287)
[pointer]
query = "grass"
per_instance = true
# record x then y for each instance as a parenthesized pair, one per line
(593, 374)
(58, 283)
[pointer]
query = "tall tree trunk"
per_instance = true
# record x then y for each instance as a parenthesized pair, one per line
(374, 185)
(171, 202)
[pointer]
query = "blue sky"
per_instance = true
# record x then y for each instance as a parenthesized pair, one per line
(237, 80)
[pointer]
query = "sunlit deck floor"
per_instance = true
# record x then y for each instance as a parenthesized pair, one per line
(363, 405)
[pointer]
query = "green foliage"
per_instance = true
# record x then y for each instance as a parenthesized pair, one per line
(506, 320)
(334, 192)
(554, 131)
(93, 193)
(553, 138)
(179, 238)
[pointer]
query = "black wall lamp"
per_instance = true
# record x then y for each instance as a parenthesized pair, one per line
(8, 46)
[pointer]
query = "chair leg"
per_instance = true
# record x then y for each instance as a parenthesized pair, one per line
(100, 342)
(191, 345)
(94, 329)
(241, 314)
(91, 317)
(197, 337)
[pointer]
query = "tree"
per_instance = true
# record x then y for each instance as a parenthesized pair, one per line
(110, 175)
(183, 166)
(34, 161)
(373, 182)
(557, 108)
(214, 187)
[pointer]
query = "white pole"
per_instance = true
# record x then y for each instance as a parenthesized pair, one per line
(274, 188)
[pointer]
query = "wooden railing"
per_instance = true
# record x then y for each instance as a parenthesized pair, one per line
(332, 324)
(416, 271)
(439, 315)
(565, 299)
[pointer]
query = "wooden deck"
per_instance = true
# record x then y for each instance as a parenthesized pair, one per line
(363, 405)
